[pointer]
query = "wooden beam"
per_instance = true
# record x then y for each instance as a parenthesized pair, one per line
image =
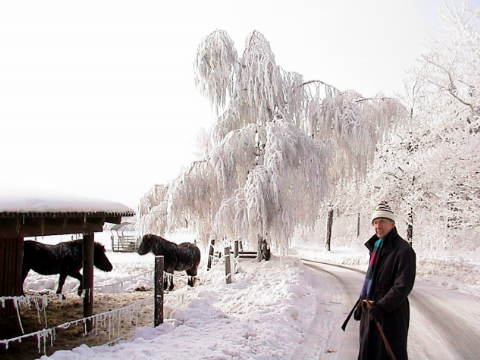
(54, 225)
(49, 226)
(113, 219)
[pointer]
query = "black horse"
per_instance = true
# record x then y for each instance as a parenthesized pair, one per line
(182, 257)
(64, 258)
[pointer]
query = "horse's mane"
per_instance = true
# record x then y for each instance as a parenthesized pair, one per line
(162, 240)
(79, 242)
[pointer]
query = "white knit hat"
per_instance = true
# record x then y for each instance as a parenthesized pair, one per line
(383, 211)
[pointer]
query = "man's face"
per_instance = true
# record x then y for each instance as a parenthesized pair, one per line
(383, 226)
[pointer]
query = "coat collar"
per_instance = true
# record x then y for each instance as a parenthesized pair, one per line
(388, 241)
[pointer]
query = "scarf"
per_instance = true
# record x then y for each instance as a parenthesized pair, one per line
(369, 283)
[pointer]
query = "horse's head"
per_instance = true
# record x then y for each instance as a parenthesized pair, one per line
(100, 259)
(146, 244)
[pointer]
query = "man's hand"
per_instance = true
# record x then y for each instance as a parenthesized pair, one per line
(376, 312)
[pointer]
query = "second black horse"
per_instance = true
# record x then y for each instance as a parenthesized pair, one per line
(182, 257)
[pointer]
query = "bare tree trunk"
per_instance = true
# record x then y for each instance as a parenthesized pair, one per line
(410, 227)
(329, 228)
(259, 248)
(358, 225)
(410, 220)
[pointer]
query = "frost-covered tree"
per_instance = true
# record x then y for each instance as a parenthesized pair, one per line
(278, 149)
(428, 167)
(152, 211)
(451, 67)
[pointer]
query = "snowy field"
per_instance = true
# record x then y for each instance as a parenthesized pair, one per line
(279, 309)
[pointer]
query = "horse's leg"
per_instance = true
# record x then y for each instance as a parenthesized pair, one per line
(25, 271)
(61, 281)
(166, 279)
(79, 277)
(170, 281)
(191, 276)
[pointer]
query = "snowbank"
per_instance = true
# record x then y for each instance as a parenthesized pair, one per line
(263, 314)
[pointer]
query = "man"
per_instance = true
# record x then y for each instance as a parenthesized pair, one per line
(383, 305)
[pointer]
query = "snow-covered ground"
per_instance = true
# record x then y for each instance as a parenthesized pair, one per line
(279, 309)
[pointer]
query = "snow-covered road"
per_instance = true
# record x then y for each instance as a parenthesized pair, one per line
(444, 324)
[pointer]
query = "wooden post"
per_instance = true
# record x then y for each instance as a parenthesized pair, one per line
(88, 241)
(228, 269)
(259, 248)
(235, 249)
(358, 225)
(329, 228)
(158, 313)
(11, 264)
(235, 256)
(210, 254)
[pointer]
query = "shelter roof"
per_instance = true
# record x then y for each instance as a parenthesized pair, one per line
(39, 215)
(56, 205)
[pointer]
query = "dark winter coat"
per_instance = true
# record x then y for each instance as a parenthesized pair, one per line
(394, 281)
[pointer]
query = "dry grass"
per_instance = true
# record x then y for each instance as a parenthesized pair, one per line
(59, 312)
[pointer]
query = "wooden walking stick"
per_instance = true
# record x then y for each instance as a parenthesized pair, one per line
(369, 304)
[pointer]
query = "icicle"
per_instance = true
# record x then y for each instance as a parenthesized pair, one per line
(119, 322)
(45, 314)
(109, 326)
(113, 325)
(95, 325)
(37, 307)
(44, 338)
(15, 302)
(38, 341)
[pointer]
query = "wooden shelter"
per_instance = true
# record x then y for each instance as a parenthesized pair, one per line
(24, 216)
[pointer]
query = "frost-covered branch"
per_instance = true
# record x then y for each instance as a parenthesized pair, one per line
(382, 98)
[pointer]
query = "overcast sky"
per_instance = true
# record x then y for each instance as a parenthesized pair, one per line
(97, 98)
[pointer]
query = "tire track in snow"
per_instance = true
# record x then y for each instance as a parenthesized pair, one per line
(452, 334)
(324, 339)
